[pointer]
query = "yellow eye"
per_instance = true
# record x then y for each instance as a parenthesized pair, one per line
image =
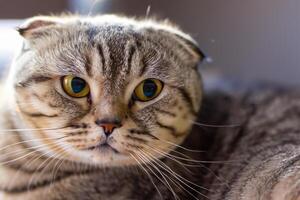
(75, 86)
(148, 90)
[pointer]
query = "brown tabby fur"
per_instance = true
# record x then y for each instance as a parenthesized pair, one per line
(242, 146)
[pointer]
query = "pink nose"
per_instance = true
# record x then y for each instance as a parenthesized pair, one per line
(108, 125)
(108, 128)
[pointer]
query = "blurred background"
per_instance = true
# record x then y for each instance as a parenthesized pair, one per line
(250, 40)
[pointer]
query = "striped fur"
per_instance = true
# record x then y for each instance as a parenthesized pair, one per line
(261, 157)
(52, 141)
(46, 137)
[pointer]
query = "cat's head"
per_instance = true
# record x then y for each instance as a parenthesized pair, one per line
(106, 89)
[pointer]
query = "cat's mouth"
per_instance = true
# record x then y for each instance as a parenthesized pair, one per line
(105, 147)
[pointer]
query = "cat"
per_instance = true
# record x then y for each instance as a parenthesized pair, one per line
(91, 103)
(111, 107)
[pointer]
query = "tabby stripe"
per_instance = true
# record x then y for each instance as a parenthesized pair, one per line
(170, 128)
(132, 50)
(135, 131)
(100, 51)
(165, 112)
(33, 79)
(45, 183)
(134, 146)
(88, 66)
(137, 139)
(250, 157)
(288, 133)
(36, 114)
(140, 125)
(42, 99)
(19, 167)
(187, 98)
(91, 32)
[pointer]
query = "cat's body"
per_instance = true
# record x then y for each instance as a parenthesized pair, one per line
(259, 159)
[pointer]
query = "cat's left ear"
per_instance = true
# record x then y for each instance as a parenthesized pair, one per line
(192, 46)
(36, 26)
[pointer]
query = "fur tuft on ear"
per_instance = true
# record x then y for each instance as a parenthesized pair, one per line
(36, 24)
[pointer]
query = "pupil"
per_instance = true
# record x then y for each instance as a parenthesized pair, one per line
(149, 88)
(78, 85)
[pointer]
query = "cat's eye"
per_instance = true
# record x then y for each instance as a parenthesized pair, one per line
(75, 86)
(148, 90)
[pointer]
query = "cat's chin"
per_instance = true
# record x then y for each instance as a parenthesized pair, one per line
(109, 158)
(106, 156)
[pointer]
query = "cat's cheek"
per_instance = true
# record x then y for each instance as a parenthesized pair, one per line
(181, 120)
(167, 140)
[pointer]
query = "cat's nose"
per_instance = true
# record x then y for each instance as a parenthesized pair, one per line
(108, 125)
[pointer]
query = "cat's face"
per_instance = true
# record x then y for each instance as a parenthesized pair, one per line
(104, 90)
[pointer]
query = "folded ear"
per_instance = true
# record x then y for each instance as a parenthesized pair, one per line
(36, 25)
(192, 45)
(185, 40)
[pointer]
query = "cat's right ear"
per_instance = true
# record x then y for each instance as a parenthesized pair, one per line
(36, 26)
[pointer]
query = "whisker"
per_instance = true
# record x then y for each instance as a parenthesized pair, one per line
(35, 149)
(16, 159)
(166, 183)
(153, 157)
(61, 129)
(184, 165)
(148, 174)
(177, 176)
(163, 175)
(51, 158)
(31, 129)
(180, 147)
(55, 171)
(196, 161)
(33, 140)
(215, 125)
(19, 170)
(203, 166)
(176, 183)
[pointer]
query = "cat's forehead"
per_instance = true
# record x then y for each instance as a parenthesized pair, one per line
(107, 48)
(114, 48)
(115, 29)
